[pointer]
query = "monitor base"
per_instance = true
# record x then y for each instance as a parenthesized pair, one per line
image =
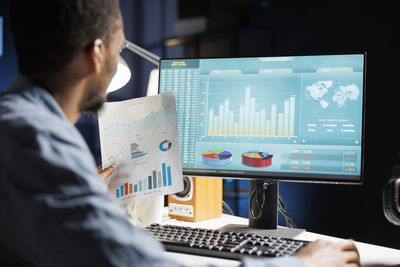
(263, 204)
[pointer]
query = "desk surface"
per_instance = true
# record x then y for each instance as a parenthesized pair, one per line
(371, 255)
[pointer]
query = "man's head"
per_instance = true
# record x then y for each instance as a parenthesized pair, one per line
(50, 34)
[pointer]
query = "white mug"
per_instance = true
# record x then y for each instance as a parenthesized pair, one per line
(146, 211)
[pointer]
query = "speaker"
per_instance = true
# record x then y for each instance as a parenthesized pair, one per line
(200, 199)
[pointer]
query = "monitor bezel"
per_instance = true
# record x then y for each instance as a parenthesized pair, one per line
(325, 178)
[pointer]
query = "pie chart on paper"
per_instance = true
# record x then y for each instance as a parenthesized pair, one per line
(216, 157)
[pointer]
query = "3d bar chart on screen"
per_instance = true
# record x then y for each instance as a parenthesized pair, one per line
(140, 136)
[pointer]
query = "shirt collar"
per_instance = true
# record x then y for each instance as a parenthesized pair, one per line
(26, 86)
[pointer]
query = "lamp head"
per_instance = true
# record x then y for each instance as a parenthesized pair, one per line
(123, 73)
(121, 77)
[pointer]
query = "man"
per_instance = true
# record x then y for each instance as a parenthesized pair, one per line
(54, 209)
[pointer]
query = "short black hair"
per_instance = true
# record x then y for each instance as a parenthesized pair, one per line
(48, 34)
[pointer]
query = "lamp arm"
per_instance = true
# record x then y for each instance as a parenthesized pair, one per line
(147, 55)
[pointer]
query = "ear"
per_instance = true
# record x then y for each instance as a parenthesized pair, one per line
(96, 55)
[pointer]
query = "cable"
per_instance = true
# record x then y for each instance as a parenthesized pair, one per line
(260, 199)
(282, 209)
(251, 206)
(226, 209)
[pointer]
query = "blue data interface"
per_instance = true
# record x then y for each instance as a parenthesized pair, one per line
(296, 116)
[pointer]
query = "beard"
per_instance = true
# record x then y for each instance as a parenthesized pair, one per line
(95, 96)
(93, 102)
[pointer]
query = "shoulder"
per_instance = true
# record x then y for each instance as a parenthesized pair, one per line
(34, 112)
(42, 147)
(29, 123)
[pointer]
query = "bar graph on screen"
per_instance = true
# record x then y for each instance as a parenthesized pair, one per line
(276, 119)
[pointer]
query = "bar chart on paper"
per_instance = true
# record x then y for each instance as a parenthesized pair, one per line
(155, 182)
(244, 119)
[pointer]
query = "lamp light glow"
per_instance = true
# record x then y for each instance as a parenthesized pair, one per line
(121, 77)
(123, 74)
(152, 87)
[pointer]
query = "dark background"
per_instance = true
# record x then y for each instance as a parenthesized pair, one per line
(279, 27)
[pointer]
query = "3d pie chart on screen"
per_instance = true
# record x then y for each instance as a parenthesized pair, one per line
(165, 145)
(257, 159)
(216, 157)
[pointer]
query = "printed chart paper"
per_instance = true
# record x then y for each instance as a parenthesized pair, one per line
(141, 136)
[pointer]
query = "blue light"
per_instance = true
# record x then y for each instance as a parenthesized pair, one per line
(1, 36)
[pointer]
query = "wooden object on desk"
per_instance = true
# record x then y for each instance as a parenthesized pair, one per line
(202, 200)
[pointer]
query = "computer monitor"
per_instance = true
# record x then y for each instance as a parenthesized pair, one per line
(283, 118)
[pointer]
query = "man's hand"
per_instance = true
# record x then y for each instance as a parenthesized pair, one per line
(104, 174)
(328, 254)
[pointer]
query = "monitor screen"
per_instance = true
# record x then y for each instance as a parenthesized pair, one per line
(298, 118)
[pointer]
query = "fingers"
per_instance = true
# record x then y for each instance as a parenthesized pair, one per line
(350, 252)
(348, 245)
(351, 256)
(104, 174)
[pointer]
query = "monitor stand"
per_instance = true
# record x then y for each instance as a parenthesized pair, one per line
(263, 212)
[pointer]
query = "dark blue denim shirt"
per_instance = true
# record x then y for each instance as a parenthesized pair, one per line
(54, 209)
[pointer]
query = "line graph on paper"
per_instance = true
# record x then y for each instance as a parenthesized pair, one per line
(155, 119)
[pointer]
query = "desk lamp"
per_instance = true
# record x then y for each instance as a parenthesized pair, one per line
(123, 74)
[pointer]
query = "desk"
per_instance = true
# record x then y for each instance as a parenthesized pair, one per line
(371, 255)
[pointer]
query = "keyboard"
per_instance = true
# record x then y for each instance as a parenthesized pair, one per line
(221, 244)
